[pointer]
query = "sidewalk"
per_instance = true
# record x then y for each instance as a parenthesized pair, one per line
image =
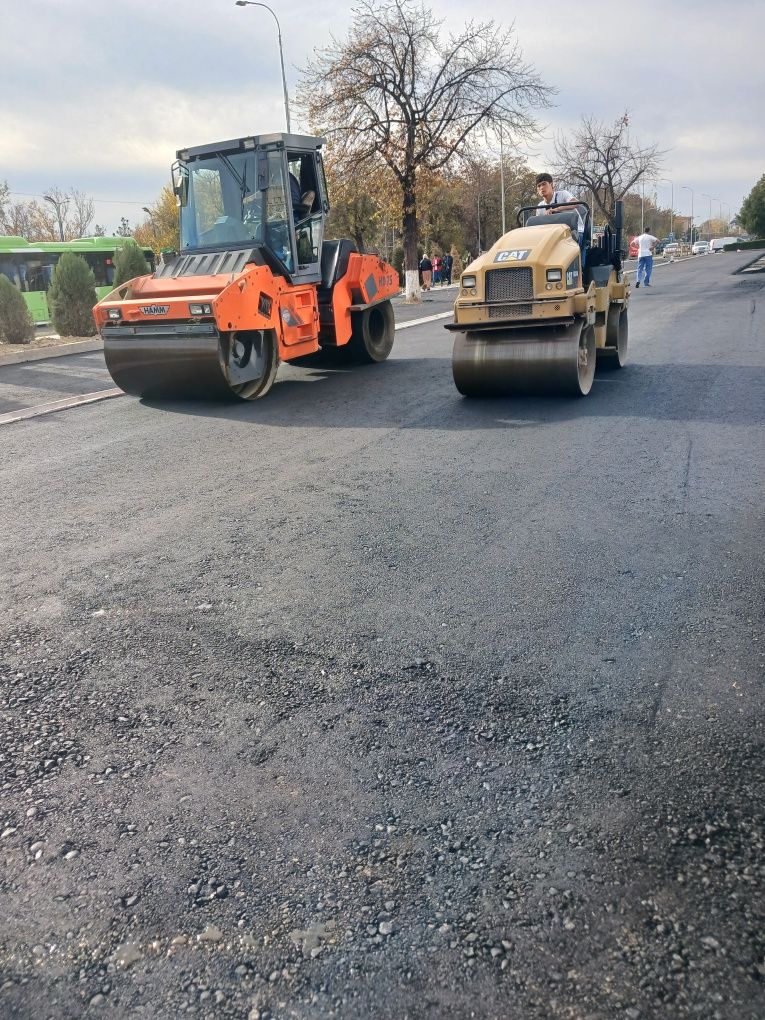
(42, 347)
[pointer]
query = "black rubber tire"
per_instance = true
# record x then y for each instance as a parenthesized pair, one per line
(374, 330)
(614, 355)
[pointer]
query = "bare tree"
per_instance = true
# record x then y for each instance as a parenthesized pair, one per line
(82, 213)
(606, 160)
(394, 90)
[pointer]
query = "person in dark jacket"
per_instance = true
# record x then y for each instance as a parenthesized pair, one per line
(446, 269)
(426, 270)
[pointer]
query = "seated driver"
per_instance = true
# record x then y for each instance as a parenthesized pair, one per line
(549, 196)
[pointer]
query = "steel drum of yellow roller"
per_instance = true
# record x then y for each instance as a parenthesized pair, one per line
(555, 360)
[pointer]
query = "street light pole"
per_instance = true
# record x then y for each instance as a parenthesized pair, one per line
(686, 188)
(149, 213)
(502, 178)
(642, 207)
(666, 180)
(704, 195)
(256, 3)
(59, 204)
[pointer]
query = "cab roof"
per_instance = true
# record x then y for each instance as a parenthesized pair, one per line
(304, 143)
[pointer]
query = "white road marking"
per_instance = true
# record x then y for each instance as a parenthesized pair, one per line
(58, 405)
(426, 318)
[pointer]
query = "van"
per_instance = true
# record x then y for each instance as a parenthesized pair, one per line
(718, 243)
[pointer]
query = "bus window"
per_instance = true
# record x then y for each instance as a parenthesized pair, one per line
(8, 268)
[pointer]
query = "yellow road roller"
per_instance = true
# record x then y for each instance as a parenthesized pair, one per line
(542, 307)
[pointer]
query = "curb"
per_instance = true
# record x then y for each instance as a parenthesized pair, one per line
(42, 353)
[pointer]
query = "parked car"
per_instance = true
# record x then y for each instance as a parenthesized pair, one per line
(633, 252)
(700, 248)
(671, 249)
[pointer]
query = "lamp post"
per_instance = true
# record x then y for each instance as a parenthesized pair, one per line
(149, 213)
(502, 179)
(686, 188)
(727, 222)
(703, 195)
(59, 204)
(256, 3)
(666, 180)
(642, 207)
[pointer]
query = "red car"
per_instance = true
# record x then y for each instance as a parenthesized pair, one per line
(633, 253)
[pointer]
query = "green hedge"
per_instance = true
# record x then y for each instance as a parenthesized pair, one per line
(745, 245)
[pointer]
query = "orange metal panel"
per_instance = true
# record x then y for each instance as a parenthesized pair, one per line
(369, 279)
(299, 315)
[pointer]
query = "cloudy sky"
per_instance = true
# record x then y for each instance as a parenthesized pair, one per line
(99, 95)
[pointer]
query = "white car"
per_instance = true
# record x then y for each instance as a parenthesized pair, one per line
(671, 249)
(700, 248)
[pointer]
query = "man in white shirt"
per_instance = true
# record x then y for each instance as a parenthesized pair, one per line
(646, 243)
(550, 196)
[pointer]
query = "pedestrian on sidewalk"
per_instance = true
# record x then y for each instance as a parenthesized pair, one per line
(426, 268)
(436, 269)
(446, 269)
(646, 243)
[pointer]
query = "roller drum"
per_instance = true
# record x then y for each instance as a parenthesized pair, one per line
(204, 365)
(551, 360)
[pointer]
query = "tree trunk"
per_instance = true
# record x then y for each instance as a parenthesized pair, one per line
(409, 227)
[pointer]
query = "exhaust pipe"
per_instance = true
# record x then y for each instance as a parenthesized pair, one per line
(619, 224)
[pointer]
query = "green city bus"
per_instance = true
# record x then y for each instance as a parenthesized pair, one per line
(30, 266)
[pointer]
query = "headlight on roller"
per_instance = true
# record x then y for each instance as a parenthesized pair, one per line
(554, 275)
(114, 313)
(200, 309)
(468, 282)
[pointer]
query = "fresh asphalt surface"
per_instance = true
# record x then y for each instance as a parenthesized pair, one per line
(366, 700)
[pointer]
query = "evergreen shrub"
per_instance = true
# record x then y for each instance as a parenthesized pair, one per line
(72, 295)
(129, 262)
(16, 326)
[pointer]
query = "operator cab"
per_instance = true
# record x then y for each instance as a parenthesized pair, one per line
(267, 192)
